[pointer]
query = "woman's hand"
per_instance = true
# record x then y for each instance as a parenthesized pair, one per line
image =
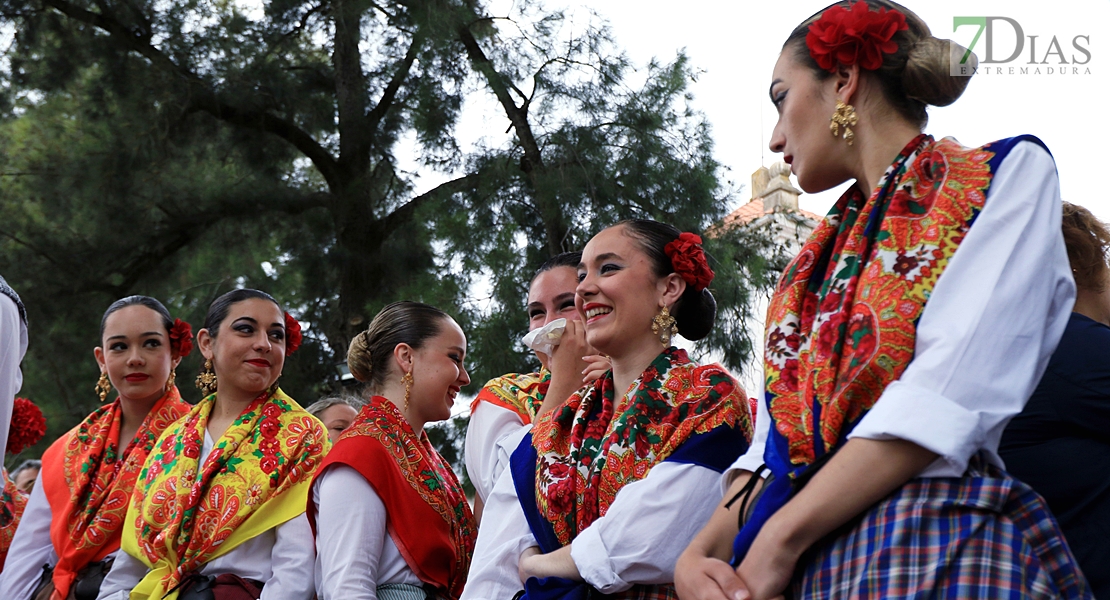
(596, 366)
(567, 366)
(700, 577)
(768, 567)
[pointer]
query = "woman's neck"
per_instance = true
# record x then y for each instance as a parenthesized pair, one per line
(132, 414)
(628, 366)
(1093, 305)
(395, 393)
(229, 404)
(879, 144)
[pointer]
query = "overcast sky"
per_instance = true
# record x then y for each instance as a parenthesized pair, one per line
(736, 42)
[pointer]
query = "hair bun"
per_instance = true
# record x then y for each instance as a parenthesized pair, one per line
(359, 359)
(696, 314)
(928, 74)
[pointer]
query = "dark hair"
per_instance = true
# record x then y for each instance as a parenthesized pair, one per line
(219, 308)
(915, 75)
(146, 301)
(405, 322)
(1087, 241)
(694, 312)
(565, 259)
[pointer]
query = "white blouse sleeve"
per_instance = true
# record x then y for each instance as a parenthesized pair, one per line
(350, 534)
(13, 345)
(293, 557)
(489, 424)
(127, 571)
(650, 522)
(31, 547)
(993, 321)
(502, 537)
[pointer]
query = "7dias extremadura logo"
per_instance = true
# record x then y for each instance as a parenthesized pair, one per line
(1004, 48)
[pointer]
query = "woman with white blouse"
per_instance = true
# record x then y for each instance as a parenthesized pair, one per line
(391, 520)
(219, 508)
(605, 490)
(914, 323)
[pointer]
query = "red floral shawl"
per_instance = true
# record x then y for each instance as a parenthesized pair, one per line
(428, 516)
(843, 321)
(12, 504)
(88, 482)
(594, 445)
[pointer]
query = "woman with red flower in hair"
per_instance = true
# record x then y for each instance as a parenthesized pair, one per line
(607, 489)
(218, 507)
(72, 523)
(27, 428)
(914, 323)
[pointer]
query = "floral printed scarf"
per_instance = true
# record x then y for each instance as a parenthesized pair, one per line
(184, 513)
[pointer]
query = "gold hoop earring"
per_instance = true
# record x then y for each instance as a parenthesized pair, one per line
(846, 117)
(407, 380)
(206, 381)
(103, 387)
(172, 381)
(663, 325)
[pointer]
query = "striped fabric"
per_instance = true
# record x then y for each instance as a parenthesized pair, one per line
(985, 535)
(402, 591)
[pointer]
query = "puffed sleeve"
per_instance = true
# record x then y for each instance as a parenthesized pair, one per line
(990, 326)
(489, 424)
(493, 570)
(650, 522)
(13, 345)
(127, 571)
(293, 556)
(351, 534)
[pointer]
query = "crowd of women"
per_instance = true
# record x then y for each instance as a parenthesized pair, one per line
(918, 319)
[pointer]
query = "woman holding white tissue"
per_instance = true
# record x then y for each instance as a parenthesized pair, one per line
(605, 490)
(511, 402)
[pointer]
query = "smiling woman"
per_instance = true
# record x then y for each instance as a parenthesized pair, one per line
(73, 519)
(609, 483)
(384, 472)
(220, 503)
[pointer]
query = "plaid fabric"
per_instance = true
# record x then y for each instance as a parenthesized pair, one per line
(984, 535)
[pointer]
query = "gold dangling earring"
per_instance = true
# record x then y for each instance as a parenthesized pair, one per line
(206, 381)
(407, 380)
(172, 380)
(663, 325)
(103, 387)
(846, 117)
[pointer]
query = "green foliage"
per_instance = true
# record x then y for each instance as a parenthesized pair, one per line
(183, 149)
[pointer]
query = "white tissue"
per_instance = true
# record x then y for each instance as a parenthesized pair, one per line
(547, 337)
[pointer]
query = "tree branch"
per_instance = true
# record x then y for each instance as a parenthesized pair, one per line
(202, 97)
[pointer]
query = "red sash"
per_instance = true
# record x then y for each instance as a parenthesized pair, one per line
(428, 518)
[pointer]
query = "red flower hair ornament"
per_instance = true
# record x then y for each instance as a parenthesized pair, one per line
(293, 335)
(688, 260)
(854, 36)
(28, 426)
(181, 338)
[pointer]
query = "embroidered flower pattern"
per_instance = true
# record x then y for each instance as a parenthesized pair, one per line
(595, 444)
(862, 309)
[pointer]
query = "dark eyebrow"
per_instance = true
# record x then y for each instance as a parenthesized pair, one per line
(124, 337)
(532, 305)
(564, 296)
(772, 87)
(607, 256)
(458, 349)
(246, 319)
